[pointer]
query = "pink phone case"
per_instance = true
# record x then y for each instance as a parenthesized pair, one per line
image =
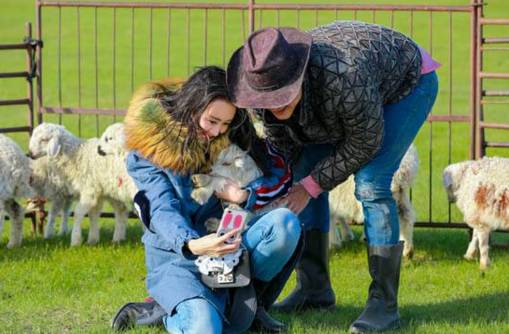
(232, 219)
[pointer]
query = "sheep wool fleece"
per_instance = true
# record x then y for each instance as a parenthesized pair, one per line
(354, 69)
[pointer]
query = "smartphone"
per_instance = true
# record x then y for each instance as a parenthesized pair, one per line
(232, 219)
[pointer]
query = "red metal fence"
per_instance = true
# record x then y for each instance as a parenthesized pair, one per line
(96, 53)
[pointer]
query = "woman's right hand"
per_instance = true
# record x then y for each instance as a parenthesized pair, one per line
(214, 245)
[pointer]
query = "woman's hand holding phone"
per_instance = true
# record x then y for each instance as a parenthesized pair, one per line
(214, 245)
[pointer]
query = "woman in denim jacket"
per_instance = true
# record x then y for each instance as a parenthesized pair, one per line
(172, 135)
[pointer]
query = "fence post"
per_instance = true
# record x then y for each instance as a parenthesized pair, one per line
(479, 135)
(250, 8)
(38, 28)
(473, 78)
(30, 91)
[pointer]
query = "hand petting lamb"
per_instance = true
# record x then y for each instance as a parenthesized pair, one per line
(14, 183)
(232, 163)
(345, 209)
(93, 178)
(481, 192)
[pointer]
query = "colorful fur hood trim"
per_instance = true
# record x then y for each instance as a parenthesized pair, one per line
(153, 132)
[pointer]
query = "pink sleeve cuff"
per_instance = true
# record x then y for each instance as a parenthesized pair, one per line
(311, 186)
(428, 63)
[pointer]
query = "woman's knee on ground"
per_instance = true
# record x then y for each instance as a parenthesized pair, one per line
(195, 316)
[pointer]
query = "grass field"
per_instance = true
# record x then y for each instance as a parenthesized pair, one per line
(45, 287)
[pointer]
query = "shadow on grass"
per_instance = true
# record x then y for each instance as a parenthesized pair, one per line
(465, 311)
(428, 243)
(481, 309)
(38, 247)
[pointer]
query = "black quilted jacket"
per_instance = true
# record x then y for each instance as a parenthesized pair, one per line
(354, 69)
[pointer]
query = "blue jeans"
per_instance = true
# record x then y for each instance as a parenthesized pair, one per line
(271, 240)
(194, 316)
(402, 121)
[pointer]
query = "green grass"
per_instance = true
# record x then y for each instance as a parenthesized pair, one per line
(46, 287)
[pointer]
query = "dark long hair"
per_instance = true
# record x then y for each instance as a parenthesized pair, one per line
(187, 104)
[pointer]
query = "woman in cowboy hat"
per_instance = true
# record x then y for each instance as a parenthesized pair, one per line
(171, 135)
(344, 98)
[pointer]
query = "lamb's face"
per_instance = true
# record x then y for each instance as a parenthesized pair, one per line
(46, 140)
(236, 164)
(35, 204)
(112, 140)
(452, 178)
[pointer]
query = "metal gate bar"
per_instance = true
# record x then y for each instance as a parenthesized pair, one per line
(305, 13)
(29, 45)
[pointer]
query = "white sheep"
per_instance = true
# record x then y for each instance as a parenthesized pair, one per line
(50, 184)
(345, 209)
(14, 183)
(481, 192)
(121, 194)
(92, 177)
(232, 163)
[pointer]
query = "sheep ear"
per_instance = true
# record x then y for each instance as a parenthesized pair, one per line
(447, 179)
(53, 147)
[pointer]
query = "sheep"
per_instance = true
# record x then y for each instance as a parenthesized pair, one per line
(14, 183)
(93, 178)
(345, 209)
(233, 163)
(480, 190)
(48, 183)
(112, 147)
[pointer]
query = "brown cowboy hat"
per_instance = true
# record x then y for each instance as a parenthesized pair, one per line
(267, 71)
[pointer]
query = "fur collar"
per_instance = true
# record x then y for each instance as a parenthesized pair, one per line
(152, 132)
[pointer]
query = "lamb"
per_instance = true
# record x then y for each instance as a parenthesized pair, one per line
(91, 177)
(481, 192)
(233, 163)
(35, 205)
(14, 183)
(49, 184)
(345, 209)
(112, 147)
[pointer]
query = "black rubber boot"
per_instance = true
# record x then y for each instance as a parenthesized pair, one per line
(381, 311)
(313, 289)
(138, 314)
(263, 322)
(267, 293)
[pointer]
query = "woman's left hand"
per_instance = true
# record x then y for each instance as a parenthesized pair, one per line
(232, 193)
(297, 198)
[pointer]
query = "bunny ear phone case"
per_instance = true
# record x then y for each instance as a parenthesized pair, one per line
(233, 269)
(233, 218)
